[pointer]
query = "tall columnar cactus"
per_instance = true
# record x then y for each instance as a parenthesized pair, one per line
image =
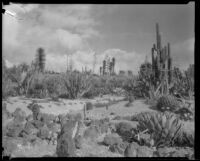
(113, 63)
(161, 62)
(104, 67)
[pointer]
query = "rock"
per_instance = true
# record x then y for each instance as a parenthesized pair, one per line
(91, 132)
(134, 150)
(44, 133)
(30, 129)
(55, 128)
(19, 115)
(118, 148)
(14, 129)
(131, 150)
(175, 152)
(112, 139)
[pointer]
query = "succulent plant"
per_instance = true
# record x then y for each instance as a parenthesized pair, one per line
(168, 102)
(164, 128)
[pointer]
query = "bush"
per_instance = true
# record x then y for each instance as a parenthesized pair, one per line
(77, 84)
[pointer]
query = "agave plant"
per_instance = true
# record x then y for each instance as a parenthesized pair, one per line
(164, 128)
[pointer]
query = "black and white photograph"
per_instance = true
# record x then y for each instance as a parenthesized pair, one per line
(98, 80)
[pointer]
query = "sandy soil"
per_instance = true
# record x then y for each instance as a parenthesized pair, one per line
(91, 148)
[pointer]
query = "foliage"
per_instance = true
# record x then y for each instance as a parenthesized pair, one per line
(77, 84)
(164, 128)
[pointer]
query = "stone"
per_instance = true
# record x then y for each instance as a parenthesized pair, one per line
(44, 133)
(19, 115)
(135, 150)
(112, 139)
(14, 129)
(29, 128)
(91, 132)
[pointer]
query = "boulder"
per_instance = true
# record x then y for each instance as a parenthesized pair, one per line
(112, 139)
(19, 115)
(91, 132)
(30, 129)
(135, 150)
(14, 129)
(44, 133)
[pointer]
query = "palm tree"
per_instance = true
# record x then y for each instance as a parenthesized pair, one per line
(40, 60)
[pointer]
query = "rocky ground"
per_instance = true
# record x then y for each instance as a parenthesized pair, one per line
(24, 136)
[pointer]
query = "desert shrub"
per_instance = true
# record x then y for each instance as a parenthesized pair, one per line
(77, 84)
(37, 87)
(125, 130)
(164, 128)
(54, 85)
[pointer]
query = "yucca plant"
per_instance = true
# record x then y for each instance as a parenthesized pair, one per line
(164, 128)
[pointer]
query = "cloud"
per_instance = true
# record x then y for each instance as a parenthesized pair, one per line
(59, 29)
(183, 53)
(8, 64)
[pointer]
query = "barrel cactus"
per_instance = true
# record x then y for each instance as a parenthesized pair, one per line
(168, 103)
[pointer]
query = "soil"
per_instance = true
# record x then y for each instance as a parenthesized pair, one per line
(90, 148)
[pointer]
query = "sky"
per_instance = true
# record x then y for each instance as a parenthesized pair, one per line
(126, 32)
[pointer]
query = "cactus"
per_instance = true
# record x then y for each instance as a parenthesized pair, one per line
(77, 84)
(167, 101)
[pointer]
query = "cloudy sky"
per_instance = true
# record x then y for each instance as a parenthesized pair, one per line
(126, 32)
